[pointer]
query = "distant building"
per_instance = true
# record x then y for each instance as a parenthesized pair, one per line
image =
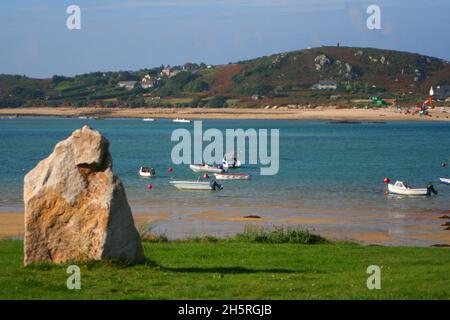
(169, 72)
(129, 85)
(148, 82)
(442, 92)
(325, 85)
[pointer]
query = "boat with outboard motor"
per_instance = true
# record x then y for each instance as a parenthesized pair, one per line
(211, 185)
(402, 188)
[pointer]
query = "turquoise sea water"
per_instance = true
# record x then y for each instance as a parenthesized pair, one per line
(328, 171)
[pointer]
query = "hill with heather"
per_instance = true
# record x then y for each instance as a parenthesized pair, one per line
(288, 78)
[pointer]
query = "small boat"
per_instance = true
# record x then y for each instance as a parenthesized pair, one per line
(232, 176)
(148, 119)
(402, 188)
(206, 168)
(147, 172)
(181, 120)
(233, 164)
(230, 162)
(191, 185)
(197, 185)
(82, 118)
(444, 180)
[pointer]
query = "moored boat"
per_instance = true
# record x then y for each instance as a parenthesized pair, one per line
(206, 168)
(232, 176)
(230, 161)
(181, 120)
(148, 119)
(444, 180)
(146, 172)
(197, 185)
(402, 188)
(191, 185)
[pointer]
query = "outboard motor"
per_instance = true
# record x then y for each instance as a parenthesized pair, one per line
(214, 185)
(431, 189)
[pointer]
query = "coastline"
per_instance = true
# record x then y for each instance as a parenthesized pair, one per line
(12, 227)
(282, 113)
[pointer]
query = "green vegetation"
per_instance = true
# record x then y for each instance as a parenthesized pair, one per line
(280, 79)
(279, 235)
(238, 268)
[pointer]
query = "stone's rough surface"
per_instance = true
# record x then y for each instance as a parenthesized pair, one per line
(76, 209)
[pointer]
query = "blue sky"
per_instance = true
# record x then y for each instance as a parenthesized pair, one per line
(129, 35)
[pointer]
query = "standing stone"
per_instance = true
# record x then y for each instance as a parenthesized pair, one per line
(76, 209)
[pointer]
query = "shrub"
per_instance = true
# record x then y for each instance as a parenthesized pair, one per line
(279, 235)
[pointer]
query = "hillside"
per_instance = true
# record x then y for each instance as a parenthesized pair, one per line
(281, 79)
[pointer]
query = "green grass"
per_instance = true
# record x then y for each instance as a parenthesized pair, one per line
(232, 269)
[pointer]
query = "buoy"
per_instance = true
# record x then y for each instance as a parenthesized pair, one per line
(150, 187)
(387, 180)
(170, 169)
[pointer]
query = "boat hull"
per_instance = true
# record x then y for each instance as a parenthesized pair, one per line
(226, 176)
(206, 169)
(407, 191)
(445, 180)
(145, 174)
(191, 185)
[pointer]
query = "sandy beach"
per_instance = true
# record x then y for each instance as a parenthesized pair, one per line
(12, 226)
(282, 113)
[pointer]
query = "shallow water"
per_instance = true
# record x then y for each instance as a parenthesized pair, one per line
(330, 177)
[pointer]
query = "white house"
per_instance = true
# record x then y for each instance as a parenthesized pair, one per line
(129, 85)
(168, 73)
(325, 85)
(148, 82)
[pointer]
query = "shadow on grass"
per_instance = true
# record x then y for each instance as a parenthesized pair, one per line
(149, 263)
(222, 270)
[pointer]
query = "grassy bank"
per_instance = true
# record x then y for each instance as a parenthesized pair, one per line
(238, 270)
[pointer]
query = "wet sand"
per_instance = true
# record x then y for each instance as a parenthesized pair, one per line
(426, 229)
(319, 113)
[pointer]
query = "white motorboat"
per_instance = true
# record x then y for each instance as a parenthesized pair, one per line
(232, 176)
(181, 120)
(402, 188)
(197, 185)
(192, 185)
(146, 172)
(444, 180)
(230, 161)
(231, 164)
(206, 168)
(148, 119)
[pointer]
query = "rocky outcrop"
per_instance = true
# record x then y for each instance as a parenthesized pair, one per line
(76, 209)
(320, 61)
